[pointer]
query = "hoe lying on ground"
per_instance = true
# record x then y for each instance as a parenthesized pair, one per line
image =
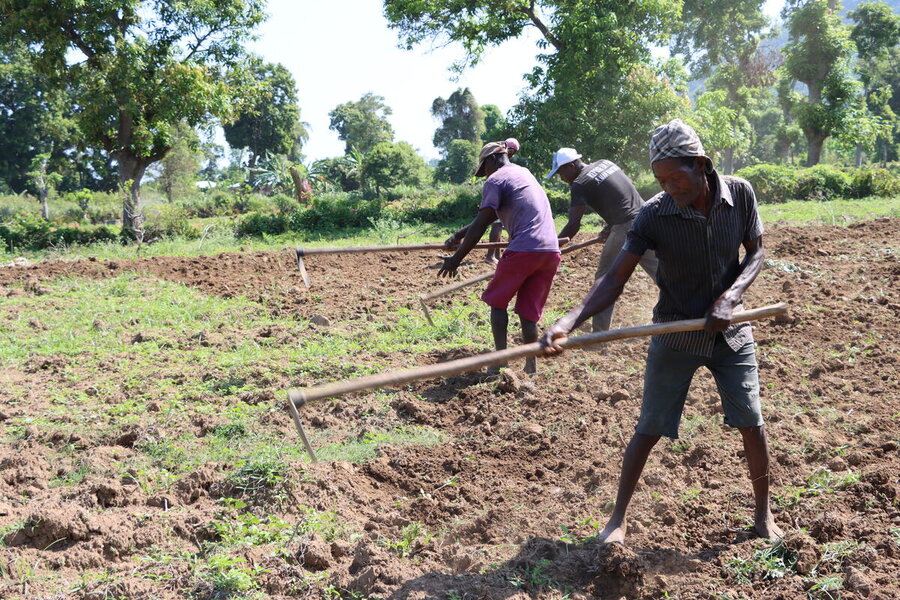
(301, 252)
(299, 398)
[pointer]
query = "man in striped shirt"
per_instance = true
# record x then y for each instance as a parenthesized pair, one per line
(696, 226)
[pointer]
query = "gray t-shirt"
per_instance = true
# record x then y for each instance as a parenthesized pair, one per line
(603, 186)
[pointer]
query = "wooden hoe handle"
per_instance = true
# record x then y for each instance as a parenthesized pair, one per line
(301, 252)
(472, 363)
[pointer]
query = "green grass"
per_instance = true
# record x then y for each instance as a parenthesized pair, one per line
(832, 212)
(98, 382)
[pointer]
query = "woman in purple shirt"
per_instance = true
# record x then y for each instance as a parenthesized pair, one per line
(526, 270)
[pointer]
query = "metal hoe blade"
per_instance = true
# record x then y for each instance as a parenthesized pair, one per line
(296, 415)
(302, 267)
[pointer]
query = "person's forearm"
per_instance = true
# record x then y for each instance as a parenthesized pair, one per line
(749, 269)
(570, 230)
(472, 233)
(601, 296)
(461, 233)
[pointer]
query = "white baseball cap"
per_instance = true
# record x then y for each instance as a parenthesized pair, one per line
(563, 156)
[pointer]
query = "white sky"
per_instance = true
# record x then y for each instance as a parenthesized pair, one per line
(341, 49)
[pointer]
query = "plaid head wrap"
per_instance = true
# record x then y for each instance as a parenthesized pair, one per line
(676, 139)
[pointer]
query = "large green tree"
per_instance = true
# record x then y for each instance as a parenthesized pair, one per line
(362, 124)
(818, 55)
(35, 119)
(459, 162)
(137, 68)
(495, 125)
(720, 39)
(876, 33)
(270, 122)
(461, 119)
(391, 164)
(593, 53)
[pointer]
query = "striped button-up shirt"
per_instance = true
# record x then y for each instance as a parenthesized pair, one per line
(698, 257)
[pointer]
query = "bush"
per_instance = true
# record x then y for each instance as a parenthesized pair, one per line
(822, 182)
(336, 211)
(168, 220)
(31, 232)
(874, 182)
(260, 224)
(773, 184)
(461, 204)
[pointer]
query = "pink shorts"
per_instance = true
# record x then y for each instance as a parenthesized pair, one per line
(525, 275)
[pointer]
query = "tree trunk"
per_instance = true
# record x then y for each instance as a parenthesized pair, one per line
(728, 162)
(859, 155)
(131, 171)
(43, 195)
(814, 140)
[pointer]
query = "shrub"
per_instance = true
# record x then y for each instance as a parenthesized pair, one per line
(336, 211)
(260, 224)
(31, 232)
(168, 220)
(772, 183)
(874, 182)
(822, 182)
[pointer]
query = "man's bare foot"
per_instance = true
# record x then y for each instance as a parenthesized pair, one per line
(495, 370)
(612, 534)
(766, 527)
(491, 260)
(530, 365)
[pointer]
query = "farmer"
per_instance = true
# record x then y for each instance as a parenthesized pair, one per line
(493, 254)
(526, 269)
(696, 226)
(604, 187)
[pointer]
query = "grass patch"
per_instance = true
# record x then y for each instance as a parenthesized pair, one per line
(831, 212)
(365, 448)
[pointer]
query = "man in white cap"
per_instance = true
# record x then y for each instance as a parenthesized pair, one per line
(697, 226)
(527, 268)
(605, 188)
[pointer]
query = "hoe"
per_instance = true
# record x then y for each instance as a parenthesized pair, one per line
(301, 252)
(297, 399)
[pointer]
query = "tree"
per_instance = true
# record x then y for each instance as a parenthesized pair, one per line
(43, 181)
(137, 68)
(459, 163)
(362, 124)
(495, 126)
(818, 55)
(35, 119)
(178, 169)
(722, 127)
(594, 50)
(877, 34)
(461, 119)
(721, 40)
(392, 164)
(270, 122)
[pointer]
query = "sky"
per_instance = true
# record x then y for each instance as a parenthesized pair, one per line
(341, 49)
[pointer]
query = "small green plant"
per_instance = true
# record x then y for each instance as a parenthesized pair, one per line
(680, 446)
(826, 588)
(690, 495)
(412, 538)
(258, 475)
(769, 563)
(230, 574)
(230, 431)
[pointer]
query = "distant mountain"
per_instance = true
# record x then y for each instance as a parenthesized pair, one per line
(852, 4)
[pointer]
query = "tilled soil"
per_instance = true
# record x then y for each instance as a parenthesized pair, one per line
(512, 501)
